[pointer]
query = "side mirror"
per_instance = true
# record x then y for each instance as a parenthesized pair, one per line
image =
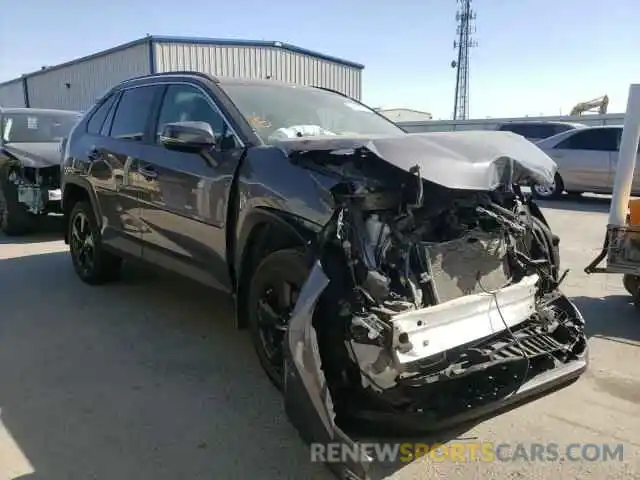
(188, 136)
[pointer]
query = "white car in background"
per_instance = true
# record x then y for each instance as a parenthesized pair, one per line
(586, 158)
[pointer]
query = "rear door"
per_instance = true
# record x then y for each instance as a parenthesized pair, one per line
(116, 151)
(585, 159)
(185, 196)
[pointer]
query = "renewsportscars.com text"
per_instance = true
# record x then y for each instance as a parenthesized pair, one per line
(468, 452)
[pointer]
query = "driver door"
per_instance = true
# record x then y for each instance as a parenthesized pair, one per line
(185, 196)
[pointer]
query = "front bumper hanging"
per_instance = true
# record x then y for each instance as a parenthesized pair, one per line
(310, 407)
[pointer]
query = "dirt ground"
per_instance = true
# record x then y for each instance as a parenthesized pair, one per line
(147, 378)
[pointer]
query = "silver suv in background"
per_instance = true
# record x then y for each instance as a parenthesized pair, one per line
(535, 131)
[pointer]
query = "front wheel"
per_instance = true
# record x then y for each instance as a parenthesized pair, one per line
(551, 191)
(93, 264)
(273, 292)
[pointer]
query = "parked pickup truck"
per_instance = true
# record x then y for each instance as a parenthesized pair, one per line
(398, 281)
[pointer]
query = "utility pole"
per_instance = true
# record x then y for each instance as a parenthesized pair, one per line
(465, 18)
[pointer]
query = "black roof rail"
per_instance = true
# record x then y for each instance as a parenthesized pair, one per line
(172, 73)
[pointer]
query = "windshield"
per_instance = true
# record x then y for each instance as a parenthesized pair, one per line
(37, 127)
(282, 111)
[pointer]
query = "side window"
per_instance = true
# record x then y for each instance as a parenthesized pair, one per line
(505, 127)
(561, 128)
(186, 103)
(524, 130)
(546, 131)
(94, 125)
(601, 139)
(106, 126)
(132, 113)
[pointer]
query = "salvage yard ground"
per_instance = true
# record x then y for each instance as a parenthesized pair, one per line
(148, 380)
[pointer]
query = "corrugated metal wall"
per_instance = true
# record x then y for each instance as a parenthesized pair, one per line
(87, 79)
(12, 94)
(259, 62)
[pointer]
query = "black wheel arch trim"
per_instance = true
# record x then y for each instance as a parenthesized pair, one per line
(304, 231)
(79, 182)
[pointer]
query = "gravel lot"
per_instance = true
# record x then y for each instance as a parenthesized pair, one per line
(147, 378)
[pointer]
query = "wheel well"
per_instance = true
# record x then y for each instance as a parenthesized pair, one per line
(265, 238)
(72, 195)
(557, 178)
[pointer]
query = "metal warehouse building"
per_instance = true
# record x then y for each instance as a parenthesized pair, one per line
(77, 84)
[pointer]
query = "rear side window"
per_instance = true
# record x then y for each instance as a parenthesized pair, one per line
(530, 130)
(97, 119)
(132, 113)
(106, 126)
(561, 128)
(601, 139)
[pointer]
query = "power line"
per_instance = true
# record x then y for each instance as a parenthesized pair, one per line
(466, 27)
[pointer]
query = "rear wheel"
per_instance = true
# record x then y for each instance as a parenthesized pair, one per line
(93, 264)
(552, 191)
(273, 292)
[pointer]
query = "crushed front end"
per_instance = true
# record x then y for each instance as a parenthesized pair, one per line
(427, 306)
(36, 189)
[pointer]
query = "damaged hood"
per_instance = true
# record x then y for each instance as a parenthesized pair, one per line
(35, 155)
(472, 160)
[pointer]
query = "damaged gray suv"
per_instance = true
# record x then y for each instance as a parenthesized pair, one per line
(390, 280)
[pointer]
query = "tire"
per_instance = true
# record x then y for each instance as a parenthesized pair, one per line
(549, 192)
(15, 220)
(276, 271)
(631, 284)
(92, 263)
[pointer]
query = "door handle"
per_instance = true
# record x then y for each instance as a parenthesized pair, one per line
(148, 172)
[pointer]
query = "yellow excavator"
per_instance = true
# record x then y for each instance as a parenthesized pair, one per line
(600, 103)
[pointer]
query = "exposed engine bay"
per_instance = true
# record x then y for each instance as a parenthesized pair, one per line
(38, 189)
(460, 297)
(431, 301)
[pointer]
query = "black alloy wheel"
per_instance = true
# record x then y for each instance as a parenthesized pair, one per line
(273, 293)
(91, 262)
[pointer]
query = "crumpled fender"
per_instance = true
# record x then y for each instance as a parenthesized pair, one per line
(308, 402)
(469, 160)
